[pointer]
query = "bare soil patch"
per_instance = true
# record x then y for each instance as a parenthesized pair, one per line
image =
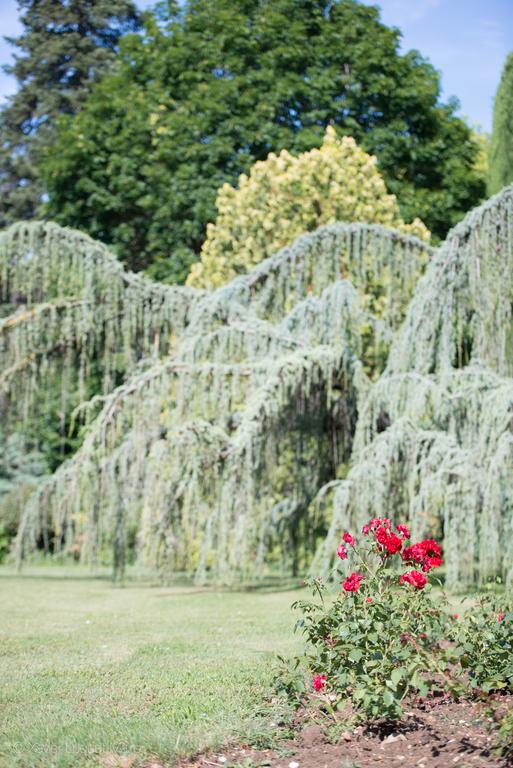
(431, 735)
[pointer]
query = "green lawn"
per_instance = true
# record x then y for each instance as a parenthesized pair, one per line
(87, 668)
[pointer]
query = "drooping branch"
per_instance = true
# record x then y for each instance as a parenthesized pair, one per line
(434, 437)
(270, 413)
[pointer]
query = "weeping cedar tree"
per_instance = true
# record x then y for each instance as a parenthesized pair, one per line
(213, 86)
(65, 45)
(501, 151)
(253, 435)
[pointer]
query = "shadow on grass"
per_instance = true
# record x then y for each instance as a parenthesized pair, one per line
(145, 580)
(41, 576)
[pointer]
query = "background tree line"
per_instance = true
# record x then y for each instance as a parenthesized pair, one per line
(126, 126)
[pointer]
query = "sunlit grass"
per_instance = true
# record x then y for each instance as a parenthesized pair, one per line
(87, 668)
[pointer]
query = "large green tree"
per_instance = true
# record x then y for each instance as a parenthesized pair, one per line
(501, 151)
(65, 45)
(214, 85)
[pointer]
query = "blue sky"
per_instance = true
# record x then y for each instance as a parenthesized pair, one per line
(466, 40)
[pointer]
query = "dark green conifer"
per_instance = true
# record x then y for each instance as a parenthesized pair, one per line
(64, 47)
(501, 151)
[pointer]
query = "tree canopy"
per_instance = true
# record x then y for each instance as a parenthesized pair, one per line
(285, 196)
(245, 433)
(501, 150)
(213, 86)
(63, 48)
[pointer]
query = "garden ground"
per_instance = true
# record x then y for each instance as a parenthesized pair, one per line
(88, 669)
(434, 735)
(122, 677)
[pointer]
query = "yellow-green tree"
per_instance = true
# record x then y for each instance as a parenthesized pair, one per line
(285, 196)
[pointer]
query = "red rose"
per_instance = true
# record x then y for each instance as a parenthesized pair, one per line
(352, 583)
(431, 562)
(319, 682)
(413, 554)
(404, 530)
(348, 539)
(426, 553)
(342, 552)
(500, 617)
(375, 523)
(393, 544)
(389, 541)
(415, 578)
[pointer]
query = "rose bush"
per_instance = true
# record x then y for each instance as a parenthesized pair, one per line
(484, 643)
(388, 637)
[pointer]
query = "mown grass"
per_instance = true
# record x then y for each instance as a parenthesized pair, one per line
(88, 669)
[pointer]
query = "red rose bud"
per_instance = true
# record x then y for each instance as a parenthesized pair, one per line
(319, 682)
(404, 530)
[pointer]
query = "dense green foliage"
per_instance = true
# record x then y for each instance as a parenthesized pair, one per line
(21, 467)
(63, 49)
(217, 85)
(232, 432)
(286, 196)
(485, 642)
(501, 150)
